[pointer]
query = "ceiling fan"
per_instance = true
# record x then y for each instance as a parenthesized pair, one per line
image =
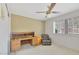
(49, 11)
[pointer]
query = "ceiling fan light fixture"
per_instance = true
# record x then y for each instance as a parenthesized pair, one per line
(48, 16)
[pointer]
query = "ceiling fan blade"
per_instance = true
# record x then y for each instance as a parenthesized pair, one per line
(52, 5)
(41, 12)
(55, 12)
(50, 8)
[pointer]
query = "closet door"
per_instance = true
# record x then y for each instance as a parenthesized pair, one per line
(4, 30)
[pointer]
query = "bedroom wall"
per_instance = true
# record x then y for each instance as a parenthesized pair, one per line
(25, 24)
(66, 40)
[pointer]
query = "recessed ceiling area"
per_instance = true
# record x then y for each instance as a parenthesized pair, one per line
(30, 9)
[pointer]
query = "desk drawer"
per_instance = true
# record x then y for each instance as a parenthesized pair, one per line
(15, 45)
(15, 42)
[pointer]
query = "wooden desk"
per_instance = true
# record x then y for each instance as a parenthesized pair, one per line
(17, 43)
(19, 38)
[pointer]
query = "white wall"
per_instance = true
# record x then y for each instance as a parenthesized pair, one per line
(4, 31)
(70, 41)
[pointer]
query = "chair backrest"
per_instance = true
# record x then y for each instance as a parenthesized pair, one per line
(45, 36)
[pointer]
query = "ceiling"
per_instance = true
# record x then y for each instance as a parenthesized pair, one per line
(29, 9)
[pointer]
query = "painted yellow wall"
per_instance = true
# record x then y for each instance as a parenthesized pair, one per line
(25, 24)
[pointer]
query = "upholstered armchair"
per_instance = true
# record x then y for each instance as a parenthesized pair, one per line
(46, 39)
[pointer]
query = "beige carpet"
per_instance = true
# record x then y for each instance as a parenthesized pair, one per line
(45, 50)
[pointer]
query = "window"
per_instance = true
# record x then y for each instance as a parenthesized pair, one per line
(73, 25)
(66, 26)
